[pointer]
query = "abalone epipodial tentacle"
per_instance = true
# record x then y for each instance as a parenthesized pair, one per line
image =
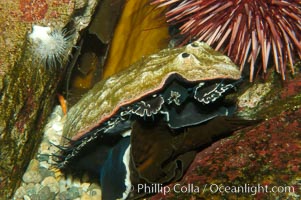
(179, 112)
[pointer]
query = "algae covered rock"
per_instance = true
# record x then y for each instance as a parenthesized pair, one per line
(27, 87)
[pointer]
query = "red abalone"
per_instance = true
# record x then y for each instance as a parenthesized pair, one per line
(144, 78)
(179, 87)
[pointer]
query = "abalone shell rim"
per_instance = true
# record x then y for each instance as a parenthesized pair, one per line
(204, 64)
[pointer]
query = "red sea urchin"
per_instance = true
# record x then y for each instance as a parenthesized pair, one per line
(245, 29)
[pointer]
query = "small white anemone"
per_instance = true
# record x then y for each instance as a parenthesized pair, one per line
(50, 46)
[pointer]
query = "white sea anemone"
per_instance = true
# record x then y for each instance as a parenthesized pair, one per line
(50, 46)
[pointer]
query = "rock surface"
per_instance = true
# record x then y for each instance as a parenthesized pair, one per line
(267, 155)
(43, 181)
(264, 160)
(27, 87)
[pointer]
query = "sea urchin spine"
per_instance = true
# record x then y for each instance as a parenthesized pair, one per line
(245, 29)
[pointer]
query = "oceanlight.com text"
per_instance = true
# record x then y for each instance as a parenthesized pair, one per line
(250, 189)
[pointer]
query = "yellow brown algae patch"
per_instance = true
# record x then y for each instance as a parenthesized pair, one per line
(141, 31)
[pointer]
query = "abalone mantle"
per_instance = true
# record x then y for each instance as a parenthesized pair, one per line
(194, 62)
